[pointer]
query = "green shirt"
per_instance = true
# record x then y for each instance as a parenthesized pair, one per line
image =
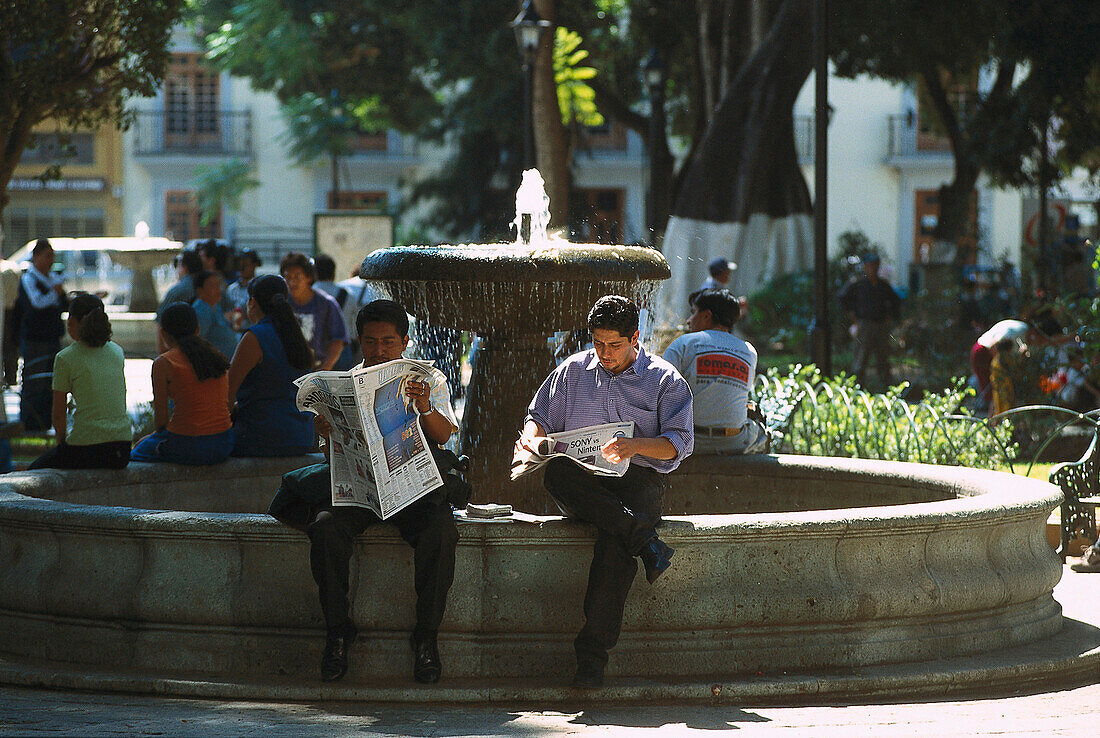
(96, 379)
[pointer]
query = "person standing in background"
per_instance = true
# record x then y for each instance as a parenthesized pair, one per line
(318, 314)
(872, 306)
(248, 261)
(41, 302)
(719, 270)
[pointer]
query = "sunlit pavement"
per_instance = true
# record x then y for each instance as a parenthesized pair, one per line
(25, 712)
(139, 388)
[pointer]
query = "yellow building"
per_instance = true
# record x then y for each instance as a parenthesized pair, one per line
(85, 201)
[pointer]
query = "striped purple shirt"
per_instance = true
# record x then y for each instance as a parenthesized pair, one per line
(581, 392)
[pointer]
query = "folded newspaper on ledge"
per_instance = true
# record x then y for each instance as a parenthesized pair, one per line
(582, 446)
(378, 454)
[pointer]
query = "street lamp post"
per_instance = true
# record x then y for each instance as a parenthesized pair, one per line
(820, 331)
(654, 71)
(529, 28)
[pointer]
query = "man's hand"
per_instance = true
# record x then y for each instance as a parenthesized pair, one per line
(620, 449)
(322, 426)
(530, 438)
(421, 395)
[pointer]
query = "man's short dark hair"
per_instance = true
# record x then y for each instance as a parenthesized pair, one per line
(717, 267)
(41, 245)
(301, 261)
(251, 255)
(190, 261)
(383, 311)
(723, 306)
(614, 312)
(326, 267)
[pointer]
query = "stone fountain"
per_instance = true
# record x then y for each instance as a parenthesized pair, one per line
(514, 296)
(142, 254)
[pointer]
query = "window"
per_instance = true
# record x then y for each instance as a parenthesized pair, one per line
(596, 215)
(611, 136)
(191, 92)
(72, 148)
(182, 220)
(370, 141)
(21, 224)
(356, 200)
(926, 210)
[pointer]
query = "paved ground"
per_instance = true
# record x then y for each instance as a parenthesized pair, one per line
(41, 713)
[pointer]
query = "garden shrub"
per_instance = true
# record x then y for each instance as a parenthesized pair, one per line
(820, 416)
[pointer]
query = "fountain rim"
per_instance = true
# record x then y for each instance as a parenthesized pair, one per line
(1012, 497)
(496, 263)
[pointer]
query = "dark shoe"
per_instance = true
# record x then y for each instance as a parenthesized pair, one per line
(589, 674)
(426, 664)
(656, 556)
(334, 661)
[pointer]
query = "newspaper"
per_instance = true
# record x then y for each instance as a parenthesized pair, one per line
(581, 445)
(378, 454)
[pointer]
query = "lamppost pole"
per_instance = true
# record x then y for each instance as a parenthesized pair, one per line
(529, 28)
(820, 331)
(654, 71)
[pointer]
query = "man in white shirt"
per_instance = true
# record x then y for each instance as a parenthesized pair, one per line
(718, 274)
(720, 368)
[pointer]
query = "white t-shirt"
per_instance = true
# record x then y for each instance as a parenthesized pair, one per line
(1014, 329)
(720, 368)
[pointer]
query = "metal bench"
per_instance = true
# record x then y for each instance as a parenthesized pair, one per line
(1080, 484)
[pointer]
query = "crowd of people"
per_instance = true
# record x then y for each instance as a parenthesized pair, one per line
(230, 346)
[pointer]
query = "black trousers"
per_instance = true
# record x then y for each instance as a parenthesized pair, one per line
(624, 511)
(304, 501)
(109, 455)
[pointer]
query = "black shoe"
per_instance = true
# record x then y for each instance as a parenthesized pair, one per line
(334, 661)
(589, 674)
(657, 557)
(426, 664)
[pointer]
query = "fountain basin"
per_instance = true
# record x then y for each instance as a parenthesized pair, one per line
(505, 288)
(914, 563)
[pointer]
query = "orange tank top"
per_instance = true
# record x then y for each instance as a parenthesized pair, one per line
(199, 408)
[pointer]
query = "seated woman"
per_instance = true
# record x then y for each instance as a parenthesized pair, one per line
(194, 376)
(271, 355)
(213, 325)
(92, 370)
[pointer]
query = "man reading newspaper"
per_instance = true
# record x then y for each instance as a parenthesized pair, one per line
(304, 502)
(615, 381)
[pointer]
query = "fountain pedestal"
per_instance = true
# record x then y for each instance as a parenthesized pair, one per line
(514, 297)
(142, 261)
(505, 369)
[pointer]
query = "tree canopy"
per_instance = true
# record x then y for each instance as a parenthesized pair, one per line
(992, 76)
(75, 62)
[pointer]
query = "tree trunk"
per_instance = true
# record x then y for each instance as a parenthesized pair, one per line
(743, 196)
(14, 139)
(551, 150)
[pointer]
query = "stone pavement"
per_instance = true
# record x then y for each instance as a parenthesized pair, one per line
(25, 712)
(1035, 706)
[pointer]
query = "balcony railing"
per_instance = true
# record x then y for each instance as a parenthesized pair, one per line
(908, 141)
(203, 133)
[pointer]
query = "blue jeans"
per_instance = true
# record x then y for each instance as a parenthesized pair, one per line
(191, 450)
